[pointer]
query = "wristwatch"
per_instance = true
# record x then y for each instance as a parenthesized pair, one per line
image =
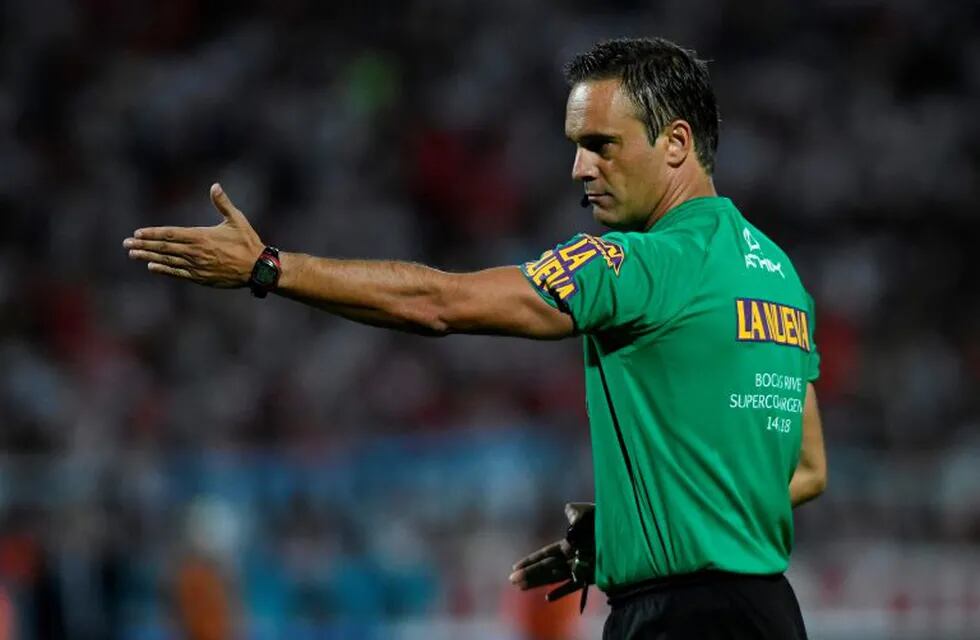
(265, 273)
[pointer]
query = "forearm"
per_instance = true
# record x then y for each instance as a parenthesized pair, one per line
(398, 295)
(806, 485)
(810, 477)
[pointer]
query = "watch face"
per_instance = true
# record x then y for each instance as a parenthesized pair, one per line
(265, 273)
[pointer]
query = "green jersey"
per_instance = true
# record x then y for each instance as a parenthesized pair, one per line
(698, 349)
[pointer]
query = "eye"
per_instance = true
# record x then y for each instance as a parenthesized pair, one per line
(603, 146)
(597, 146)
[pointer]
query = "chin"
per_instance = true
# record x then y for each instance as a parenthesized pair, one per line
(603, 216)
(607, 218)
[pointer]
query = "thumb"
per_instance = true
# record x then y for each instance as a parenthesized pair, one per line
(223, 204)
(574, 511)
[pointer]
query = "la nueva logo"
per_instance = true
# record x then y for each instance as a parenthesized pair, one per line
(754, 258)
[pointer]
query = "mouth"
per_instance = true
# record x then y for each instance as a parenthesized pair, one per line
(599, 198)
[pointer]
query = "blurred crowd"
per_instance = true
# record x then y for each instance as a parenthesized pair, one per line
(182, 462)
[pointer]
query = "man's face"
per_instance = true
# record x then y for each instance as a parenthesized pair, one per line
(623, 174)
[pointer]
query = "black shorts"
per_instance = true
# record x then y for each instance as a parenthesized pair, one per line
(710, 605)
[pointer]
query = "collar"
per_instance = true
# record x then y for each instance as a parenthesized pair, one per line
(695, 207)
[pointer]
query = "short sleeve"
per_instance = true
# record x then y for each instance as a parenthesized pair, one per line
(604, 283)
(813, 361)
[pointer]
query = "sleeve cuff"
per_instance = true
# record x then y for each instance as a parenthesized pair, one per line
(549, 298)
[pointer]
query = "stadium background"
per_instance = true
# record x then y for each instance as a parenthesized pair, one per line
(181, 462)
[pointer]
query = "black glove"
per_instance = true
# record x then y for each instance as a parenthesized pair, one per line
(571, 559)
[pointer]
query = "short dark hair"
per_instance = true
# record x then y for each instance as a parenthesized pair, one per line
(665, 82)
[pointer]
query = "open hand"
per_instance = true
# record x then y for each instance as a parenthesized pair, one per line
(218, 256)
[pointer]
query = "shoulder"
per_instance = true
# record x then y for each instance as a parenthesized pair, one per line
(687, 244)
(762, 252)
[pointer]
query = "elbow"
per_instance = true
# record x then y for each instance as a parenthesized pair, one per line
(436, 320)
(809, 481)
(434, 327)
(820, 483)
(816, 484)
(425, 320)
(442, 312)
(820, 474)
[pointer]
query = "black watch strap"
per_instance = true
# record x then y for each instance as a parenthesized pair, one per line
(265, 273)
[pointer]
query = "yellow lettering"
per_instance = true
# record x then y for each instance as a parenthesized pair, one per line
(789, 321)
(743, 330)
(611, 252)
(772, 321)
(558, 276)
(564, 290)
(534, 267)
(758, 330)
(574, 256)
(804, 329)
(548, 271)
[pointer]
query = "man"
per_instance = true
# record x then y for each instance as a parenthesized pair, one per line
(698, 335)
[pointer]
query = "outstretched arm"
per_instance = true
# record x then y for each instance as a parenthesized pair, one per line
(417, 298)
(400, 295)
(810, 478)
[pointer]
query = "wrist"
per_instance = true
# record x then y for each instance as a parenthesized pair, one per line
(266, 272)
(288, 263)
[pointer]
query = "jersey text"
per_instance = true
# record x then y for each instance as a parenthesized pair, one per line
(763, 321)
(552, 272)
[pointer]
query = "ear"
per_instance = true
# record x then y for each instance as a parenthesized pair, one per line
(680, 142)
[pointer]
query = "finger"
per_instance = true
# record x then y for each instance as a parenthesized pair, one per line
(170, 234)
(162, 258)
(548, 571)
(223, 204)
(553, 549)
(537, 569)
(575, 510)
(159, 246)
(175, 272)
(562, 591)
(546, 576)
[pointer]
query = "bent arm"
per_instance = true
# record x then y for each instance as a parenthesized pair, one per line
(810, 478)
(412, 297)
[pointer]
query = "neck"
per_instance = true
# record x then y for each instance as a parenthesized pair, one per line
(698, 187)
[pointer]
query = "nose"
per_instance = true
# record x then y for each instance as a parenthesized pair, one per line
(584, 168)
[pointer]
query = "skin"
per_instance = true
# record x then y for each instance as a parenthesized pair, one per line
(810, 478)
(630, 182)
(550, 564)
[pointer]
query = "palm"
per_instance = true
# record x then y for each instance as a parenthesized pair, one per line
(219, 256)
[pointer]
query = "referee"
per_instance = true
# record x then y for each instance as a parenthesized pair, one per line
(698, 345)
